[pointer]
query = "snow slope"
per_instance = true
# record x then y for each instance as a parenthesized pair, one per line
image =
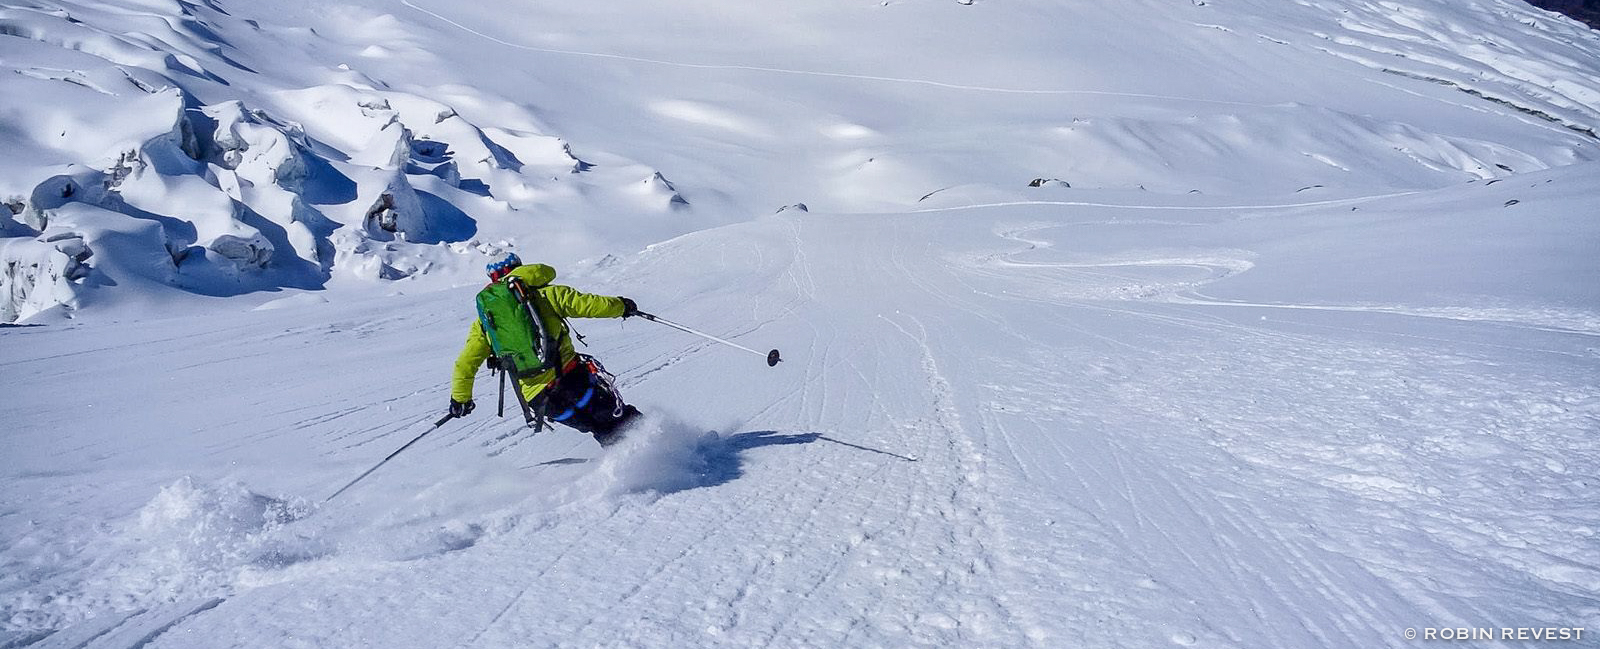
(1295, 344)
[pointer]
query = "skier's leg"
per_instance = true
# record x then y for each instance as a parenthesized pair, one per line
(606, 416)
(569, 397)
(589, 404)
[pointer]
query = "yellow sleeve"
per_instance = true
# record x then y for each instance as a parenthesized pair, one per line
(572, 303)
(467, 364)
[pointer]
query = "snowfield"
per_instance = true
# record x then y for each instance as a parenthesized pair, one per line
(1223, 323)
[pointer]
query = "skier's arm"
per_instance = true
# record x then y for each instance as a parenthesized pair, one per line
(472, 356)
(571, 303)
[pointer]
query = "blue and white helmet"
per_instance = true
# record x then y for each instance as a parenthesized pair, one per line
(503, 267)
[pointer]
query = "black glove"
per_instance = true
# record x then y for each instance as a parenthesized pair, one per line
(494, 363)
(629, 309)
(459, 409)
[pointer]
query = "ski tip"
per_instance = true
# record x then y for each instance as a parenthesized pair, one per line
(772, 358)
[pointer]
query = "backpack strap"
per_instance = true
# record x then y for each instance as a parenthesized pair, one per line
(530, 299)
(533, 417)
(566, 324)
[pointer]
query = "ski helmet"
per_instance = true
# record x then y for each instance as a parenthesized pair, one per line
(503, 267)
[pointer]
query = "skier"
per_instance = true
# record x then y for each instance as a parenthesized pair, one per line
(551, 379)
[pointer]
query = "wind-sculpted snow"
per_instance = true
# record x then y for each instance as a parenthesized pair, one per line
(1507, 52)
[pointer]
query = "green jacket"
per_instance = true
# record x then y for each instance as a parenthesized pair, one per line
(565, 301)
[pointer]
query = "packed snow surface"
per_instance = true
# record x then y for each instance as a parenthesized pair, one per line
(1221, 323)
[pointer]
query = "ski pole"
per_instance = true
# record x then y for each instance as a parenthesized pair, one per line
(772, 356)
(436, 426)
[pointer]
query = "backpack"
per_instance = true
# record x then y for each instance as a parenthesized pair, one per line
(509, 314)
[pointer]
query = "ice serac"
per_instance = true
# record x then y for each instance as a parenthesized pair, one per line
(397, 213)
(37, 275)
(254, 177)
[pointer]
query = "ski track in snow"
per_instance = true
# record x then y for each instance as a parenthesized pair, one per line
(1220, 265)
(1063, 496)
(1174, 208)
(1311, 569)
